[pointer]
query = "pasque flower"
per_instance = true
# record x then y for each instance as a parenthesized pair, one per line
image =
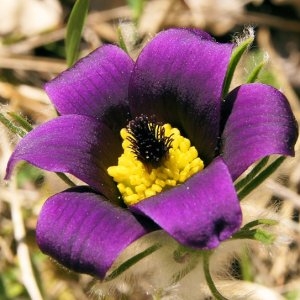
(173, 165)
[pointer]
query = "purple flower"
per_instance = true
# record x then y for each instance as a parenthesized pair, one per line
(177, 78)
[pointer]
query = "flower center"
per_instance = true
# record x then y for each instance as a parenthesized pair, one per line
(148, 140)
(156, 157)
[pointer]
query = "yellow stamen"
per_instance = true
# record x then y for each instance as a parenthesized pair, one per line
(137, 181)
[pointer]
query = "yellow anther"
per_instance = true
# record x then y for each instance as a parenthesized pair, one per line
(148, 193)
(137, 181)
(160, 182)
(140, 188)
(156, 188)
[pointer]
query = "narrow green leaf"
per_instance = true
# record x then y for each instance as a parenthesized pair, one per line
(255, 72)
(244, 181)
(249, 232)
(74, 30)
(235, 58)
(65, 178)
(258, 234)
(261, 70)
(269, 222)
(11, 126)
(260, 177)
(21, 121)
(132, 261)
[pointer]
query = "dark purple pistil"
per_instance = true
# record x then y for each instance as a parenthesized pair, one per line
(148, 140)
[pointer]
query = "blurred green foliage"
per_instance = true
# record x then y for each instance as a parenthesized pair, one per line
(29, 175)
(137, 8)
(10, 286)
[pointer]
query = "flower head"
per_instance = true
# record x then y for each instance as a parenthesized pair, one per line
(180, 149)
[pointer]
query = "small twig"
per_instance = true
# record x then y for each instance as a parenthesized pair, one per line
(268, 20)
(32, 63)
(32, 42)
(217, 295)
(22, 249)
(6, 251)
(23, 255)
(157, 19)
(96, 17)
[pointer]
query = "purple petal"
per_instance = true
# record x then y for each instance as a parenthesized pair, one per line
(261, 123)
(178, 77)
(73, 144)
(96, 86)
(200, 213)
(85, 233)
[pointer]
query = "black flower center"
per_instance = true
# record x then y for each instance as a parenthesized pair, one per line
(148, 140)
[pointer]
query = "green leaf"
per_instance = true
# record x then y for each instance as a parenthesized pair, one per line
(65, 178)
(244, 181)
(137, 8)
(122, 43)
(255, 72)
(132, 261)
(235, 58)
(21, 121)
(269, 222)
(264, 236)
(11, 126)
(74, 30)
(249, 232)
(260, 178)
(255, 234)
(261, 72)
